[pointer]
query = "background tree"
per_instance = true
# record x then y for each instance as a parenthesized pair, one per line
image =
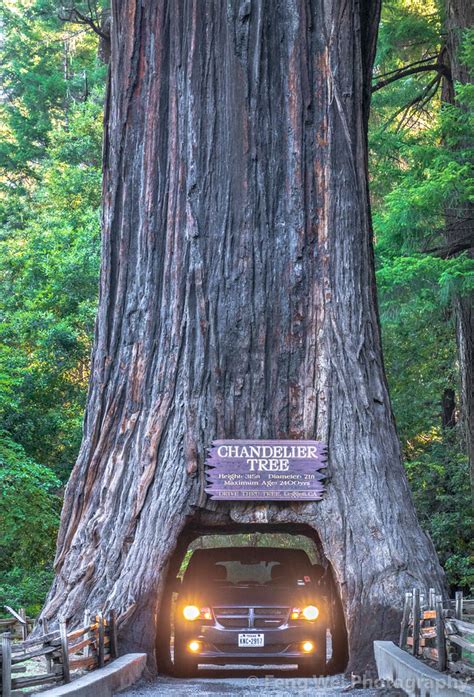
(420, 166)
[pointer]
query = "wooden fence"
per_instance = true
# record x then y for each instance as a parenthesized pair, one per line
(439, 631)
(18, 624)
(86, 648)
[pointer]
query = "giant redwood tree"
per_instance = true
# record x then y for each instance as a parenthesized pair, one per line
(237, 300)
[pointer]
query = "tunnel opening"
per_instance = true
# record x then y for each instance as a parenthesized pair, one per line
(209, 544)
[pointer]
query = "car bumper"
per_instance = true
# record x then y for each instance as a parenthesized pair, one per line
(220, 646)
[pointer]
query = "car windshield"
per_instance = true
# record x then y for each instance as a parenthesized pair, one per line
(237, 572)
(249, 567)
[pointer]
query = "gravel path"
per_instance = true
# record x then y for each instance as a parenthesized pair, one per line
(253, 683)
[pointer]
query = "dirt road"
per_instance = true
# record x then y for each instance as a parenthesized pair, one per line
(253, 683)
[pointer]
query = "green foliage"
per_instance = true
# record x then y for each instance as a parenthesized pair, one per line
(421, 170)
(29, 507)
(48, 277)
(439, 476)
(45, 69)
(26, 588)
(29, 512)
(49, 232)
(50, 173)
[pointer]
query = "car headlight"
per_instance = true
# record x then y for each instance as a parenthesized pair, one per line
(310, 612)
(192, 612)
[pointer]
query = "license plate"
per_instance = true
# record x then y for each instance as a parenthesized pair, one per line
(251, 640)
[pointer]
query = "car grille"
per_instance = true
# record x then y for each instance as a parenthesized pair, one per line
(250, 617)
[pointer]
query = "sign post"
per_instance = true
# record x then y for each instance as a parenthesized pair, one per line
(275, 470)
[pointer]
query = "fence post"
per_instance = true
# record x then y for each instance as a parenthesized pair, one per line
(64, 650)
(405, 619)
(113, 634)
(87, 623)
(6, 665)
(458, 605)
(440, 637)
(431, 599)
(416, 621)
(24, 627)
(45, 627)
(100, 622)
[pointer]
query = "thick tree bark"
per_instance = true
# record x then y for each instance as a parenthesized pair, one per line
(459, 16)
(237, 300)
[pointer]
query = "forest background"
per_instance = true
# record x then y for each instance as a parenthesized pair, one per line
(53, 68)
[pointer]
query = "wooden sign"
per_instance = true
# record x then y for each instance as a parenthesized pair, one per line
(257, 470)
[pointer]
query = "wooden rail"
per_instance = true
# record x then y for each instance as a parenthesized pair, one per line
(86, 648)
(18, 623)
(441, 632)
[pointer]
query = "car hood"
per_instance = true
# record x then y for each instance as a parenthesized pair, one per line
(248, 596)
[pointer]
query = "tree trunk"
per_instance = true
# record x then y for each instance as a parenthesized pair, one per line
(237, 300)
(448, 408)
(459, 221)
(464, 309)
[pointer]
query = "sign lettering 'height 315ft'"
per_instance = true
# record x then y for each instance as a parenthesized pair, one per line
(277, 470)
